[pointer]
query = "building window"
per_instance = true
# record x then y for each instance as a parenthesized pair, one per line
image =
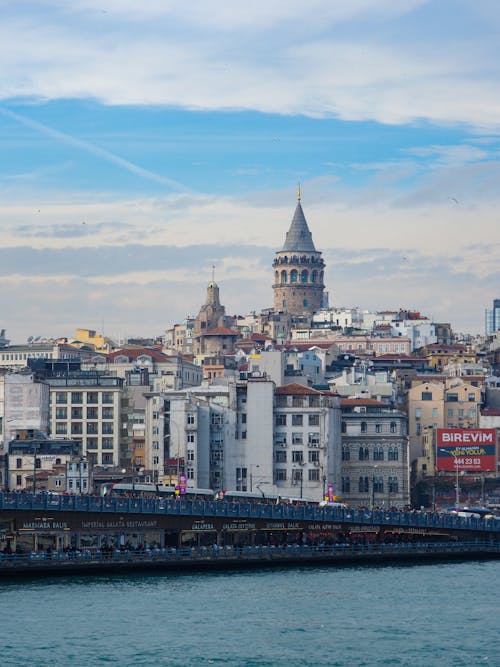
(107, 397)
(19, 480)
(313, 457)
(394, 427)
(107, 443)
(76, 397)
(61, 413)
(91, 443)
(92, 397)
(296, 438)
(61, 428)
(346, 453)
(393, 485)
(452, 398)
(378, 454)
(378, 485)
(76, 428)
(363, 486)
(313, 420)
(418, 428)
(280, 474)
(472, 398)
(92, 428)
(107, 413)
(190, 420)
(280, 457)
(92, 413)
(293, 276)
(297, 456)
(364, 427)
(19, 463)
(297, 420)
(346, 484)
(378, 428)
(364, 454)
(280, 420)
(427, 395)
(313, 440)
(314, 475)
(76, 413)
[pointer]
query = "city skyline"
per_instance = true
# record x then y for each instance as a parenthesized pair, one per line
(142, 146)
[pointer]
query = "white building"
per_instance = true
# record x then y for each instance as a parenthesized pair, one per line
(246, 436)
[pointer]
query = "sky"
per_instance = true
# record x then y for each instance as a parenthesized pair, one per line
(141, 144)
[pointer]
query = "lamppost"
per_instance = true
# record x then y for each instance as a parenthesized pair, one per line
(373, 487)
(252, 466)
(34, 467)
(455, 463)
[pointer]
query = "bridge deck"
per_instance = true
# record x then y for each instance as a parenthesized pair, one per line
(245, 511)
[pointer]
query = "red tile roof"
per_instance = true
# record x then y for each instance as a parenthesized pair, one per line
(345, 402)
(295, 389)
(133, 353)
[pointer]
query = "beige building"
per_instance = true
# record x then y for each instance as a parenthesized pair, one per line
(451, 403)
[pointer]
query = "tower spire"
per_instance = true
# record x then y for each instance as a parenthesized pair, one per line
(298, 191)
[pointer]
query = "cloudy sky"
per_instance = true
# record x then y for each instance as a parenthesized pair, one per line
(143, 142)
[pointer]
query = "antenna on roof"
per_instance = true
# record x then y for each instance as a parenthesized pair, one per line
(213, 273)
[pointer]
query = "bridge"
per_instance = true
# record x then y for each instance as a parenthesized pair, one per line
(102, 532)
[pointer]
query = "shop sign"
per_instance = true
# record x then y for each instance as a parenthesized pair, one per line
(238, 526)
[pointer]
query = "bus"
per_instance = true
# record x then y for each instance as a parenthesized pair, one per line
(133, 490)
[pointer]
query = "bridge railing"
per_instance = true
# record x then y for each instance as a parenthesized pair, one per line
(290, 512)
(41, 559)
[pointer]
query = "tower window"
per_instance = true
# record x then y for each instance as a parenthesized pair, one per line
(284, 277)
(303, 276)
(293, 276)
(304, 303)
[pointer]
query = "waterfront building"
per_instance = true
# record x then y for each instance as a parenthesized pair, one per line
(246, 435)
(375, 454)
(87, 407)
(31, 460)
(447, 403)
(24, 405)
(307, 447)
(298, 271)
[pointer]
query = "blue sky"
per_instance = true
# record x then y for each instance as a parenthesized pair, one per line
(140, 143)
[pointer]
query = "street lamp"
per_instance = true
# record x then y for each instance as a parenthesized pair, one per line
(252, 466)
(373, 487)
(455, 463)
(34, 467)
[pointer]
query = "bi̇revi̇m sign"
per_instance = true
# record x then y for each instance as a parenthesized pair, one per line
(466, 449)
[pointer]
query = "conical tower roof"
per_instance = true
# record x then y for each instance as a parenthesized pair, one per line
(298, 237)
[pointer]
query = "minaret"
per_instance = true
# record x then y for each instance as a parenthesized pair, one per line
(298, 270)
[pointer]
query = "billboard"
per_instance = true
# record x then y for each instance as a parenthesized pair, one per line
(473, 449)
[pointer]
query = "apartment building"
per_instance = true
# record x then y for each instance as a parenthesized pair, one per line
(375, 454)
(87, 408)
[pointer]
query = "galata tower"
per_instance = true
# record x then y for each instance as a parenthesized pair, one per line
(298, 270)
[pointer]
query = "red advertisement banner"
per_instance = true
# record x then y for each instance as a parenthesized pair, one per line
(473, 449)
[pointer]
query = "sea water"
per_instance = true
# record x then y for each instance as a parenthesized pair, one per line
(431, 614)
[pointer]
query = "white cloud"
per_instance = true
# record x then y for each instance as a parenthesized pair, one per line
(357, 60)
